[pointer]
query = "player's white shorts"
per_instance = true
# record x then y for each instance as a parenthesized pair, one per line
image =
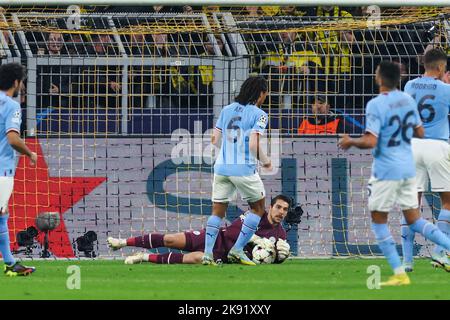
(432, 159)
(250, 188)
(6, 188)
(383, 194)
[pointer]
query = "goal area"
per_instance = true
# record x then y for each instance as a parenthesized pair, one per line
(119, 104)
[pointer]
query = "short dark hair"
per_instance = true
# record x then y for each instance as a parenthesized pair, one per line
(321, 99)
(251, 90)
(432, 57)
(9, 73)
(389, 73)
(282, 198)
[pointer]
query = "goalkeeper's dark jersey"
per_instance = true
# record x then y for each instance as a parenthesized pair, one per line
(228, 235)
(195, 240)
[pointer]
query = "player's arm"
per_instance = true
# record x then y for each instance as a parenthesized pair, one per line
(256, 150)
(370, 138)
(254, 145)
(367, 141)
(217, 132)
(419, 132)
(19, 145)
(13, 122)
(216, 137)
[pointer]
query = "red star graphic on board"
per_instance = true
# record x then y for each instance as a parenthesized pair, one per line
(36, 192)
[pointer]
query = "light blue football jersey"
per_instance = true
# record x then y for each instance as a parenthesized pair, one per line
(10, 120)
(433, 99)
(237, 122)
(392, 117)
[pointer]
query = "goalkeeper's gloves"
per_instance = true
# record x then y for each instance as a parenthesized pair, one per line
(255, 239)
(262, 242)
(283, 250)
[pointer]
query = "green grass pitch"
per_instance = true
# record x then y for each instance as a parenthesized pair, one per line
(295, 279)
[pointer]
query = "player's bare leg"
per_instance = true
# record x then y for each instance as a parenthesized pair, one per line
(193, 257)
(258, 207)
(219, 209)
(236, 254)
(149, 241)
(445, 200)
(175, 240)
(166, 258)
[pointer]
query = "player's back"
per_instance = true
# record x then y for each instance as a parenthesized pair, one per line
(392, 117)
(433, 99)
(237, 122)
(10, 120)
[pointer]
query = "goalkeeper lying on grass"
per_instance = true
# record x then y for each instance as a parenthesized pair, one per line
(270, 236)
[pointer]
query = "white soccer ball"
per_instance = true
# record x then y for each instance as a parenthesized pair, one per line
(263, 255)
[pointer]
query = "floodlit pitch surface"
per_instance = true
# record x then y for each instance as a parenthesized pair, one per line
(295, 279)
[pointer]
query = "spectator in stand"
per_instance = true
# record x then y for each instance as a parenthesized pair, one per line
(252, 12)
(137, 45)
(76, 44)
(161, 93)
(54, 81)
(202, 84)
(160, 45)
(139, 9)
(102, 83)
(335, 43)
(165, 9)
(193, 85)
(210, 9)
(270, 11)
(210, 47)
(140, 76)
(335, 48)
(102, 45)
(8, 35)
(188, 9)
(322, 120)
(291, 11)
(54, 43)
(287, 64)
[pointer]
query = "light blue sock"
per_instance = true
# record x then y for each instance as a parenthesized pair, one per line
(5, 248)
(407, 242)
(249, 227)
(443, 224)
(212, 230)
(431, 232)
(387, 246)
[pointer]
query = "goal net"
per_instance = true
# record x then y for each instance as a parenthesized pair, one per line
(118, 106)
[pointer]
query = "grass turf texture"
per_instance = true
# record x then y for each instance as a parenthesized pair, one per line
(295, 279)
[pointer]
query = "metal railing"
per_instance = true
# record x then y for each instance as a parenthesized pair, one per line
(153, 73)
